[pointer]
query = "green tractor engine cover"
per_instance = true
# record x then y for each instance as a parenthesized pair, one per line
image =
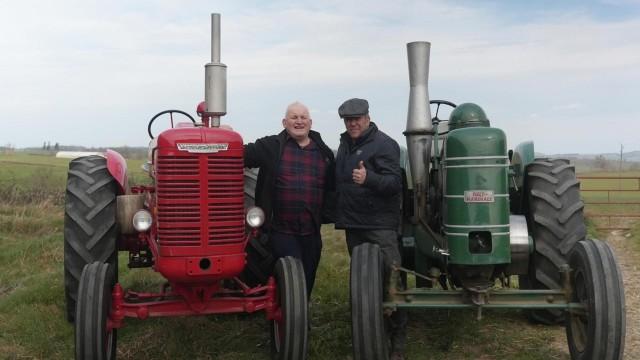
(467, 115)
(476, 201)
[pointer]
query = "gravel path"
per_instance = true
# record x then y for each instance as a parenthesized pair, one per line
(629, 262)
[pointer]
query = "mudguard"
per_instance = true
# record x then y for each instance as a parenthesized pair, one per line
(117, 166)
(523, 155)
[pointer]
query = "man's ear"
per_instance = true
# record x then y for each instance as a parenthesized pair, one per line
(284, 122)
(310, 123)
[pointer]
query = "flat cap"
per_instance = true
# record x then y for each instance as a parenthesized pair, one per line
(353, 108)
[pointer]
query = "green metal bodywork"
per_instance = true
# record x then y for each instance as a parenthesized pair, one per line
(476, 194)
(523, 155)
(467, 115)
(478, 180)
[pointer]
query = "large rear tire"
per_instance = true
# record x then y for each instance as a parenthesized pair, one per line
(289, 332)
(90, 232)
(370, 340)
(597, 333)
(260, 261)
(94, 340)
(555, 219)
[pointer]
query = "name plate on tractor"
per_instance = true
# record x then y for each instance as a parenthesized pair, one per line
(478, 196)
(203, 148)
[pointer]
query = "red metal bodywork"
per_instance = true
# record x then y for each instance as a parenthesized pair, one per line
(117, 166)
(199, 234)
(199, 205)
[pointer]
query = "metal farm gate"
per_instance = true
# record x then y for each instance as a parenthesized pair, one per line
(612, 201)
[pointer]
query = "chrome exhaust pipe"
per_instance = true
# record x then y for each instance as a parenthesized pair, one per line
(215, 72)
(419, 131)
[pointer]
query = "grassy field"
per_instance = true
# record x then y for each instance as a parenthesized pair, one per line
(32, 321)
(621, 193)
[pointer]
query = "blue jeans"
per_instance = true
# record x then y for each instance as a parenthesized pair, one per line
(307, 248)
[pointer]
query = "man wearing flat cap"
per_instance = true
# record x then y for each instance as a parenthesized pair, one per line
(369, 190)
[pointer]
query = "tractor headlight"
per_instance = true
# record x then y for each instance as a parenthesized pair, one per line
(142, 220)
(255, 217)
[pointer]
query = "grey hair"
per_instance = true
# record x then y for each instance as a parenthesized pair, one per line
(295, 103)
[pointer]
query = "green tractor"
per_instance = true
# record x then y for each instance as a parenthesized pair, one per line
(476, 217)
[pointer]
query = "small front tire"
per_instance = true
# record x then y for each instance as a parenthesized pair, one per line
(290, 330)
(598, 331)
(93, 338)
(370, 339)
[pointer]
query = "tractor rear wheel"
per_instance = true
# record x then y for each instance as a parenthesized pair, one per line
(555, 219)
(598, 331)
(260, 259)
(370, 340)
(289, 332)
(90, 232)
(94, 340)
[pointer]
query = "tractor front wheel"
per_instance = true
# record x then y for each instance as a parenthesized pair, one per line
(90, 232)
(94, 339)
(289, 331)
(370, 340)
(598, 331)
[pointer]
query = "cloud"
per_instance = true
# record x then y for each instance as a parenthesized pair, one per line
(74, 63)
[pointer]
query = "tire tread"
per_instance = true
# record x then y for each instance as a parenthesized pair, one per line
(90, 231)
(555, 219)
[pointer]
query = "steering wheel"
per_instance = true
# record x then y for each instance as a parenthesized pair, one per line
(441, 102)
(171, 115)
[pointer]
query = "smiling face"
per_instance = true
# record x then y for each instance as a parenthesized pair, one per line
(356, 125)
(297, 122)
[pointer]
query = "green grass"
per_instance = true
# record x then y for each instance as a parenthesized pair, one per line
(32, 305)
(32, 321)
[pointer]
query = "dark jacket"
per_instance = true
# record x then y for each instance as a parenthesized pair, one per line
(265, 154)
(376, 203)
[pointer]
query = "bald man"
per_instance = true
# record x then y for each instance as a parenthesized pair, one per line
(296, 177)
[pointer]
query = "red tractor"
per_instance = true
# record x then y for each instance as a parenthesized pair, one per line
(191, 225)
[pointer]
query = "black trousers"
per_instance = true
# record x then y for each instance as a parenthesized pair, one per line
(388, 241)
(307, 248)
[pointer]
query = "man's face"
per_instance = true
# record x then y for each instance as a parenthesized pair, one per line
(356, 125)
(297, 122)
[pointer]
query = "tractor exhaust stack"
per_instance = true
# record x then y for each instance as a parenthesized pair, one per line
(419, 131)
(215, 85)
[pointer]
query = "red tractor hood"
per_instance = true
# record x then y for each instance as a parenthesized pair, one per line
(200, 140)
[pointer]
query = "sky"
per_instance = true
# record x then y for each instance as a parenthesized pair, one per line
(565, 74)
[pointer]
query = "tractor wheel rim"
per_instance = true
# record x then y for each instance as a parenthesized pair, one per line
(109, 343)
(580, 322)
(277, 335)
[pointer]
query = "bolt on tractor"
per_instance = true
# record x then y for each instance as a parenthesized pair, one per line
(192, 225)
(477, 219)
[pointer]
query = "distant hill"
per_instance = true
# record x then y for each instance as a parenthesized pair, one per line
(633, 156)
(607, 161)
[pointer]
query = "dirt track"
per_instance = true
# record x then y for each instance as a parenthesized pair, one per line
(629, 261)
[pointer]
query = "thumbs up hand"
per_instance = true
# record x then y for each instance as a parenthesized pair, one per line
(359, 174)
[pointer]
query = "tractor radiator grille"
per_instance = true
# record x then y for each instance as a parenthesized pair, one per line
(200, 207)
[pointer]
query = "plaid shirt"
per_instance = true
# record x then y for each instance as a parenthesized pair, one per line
(299, 189)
